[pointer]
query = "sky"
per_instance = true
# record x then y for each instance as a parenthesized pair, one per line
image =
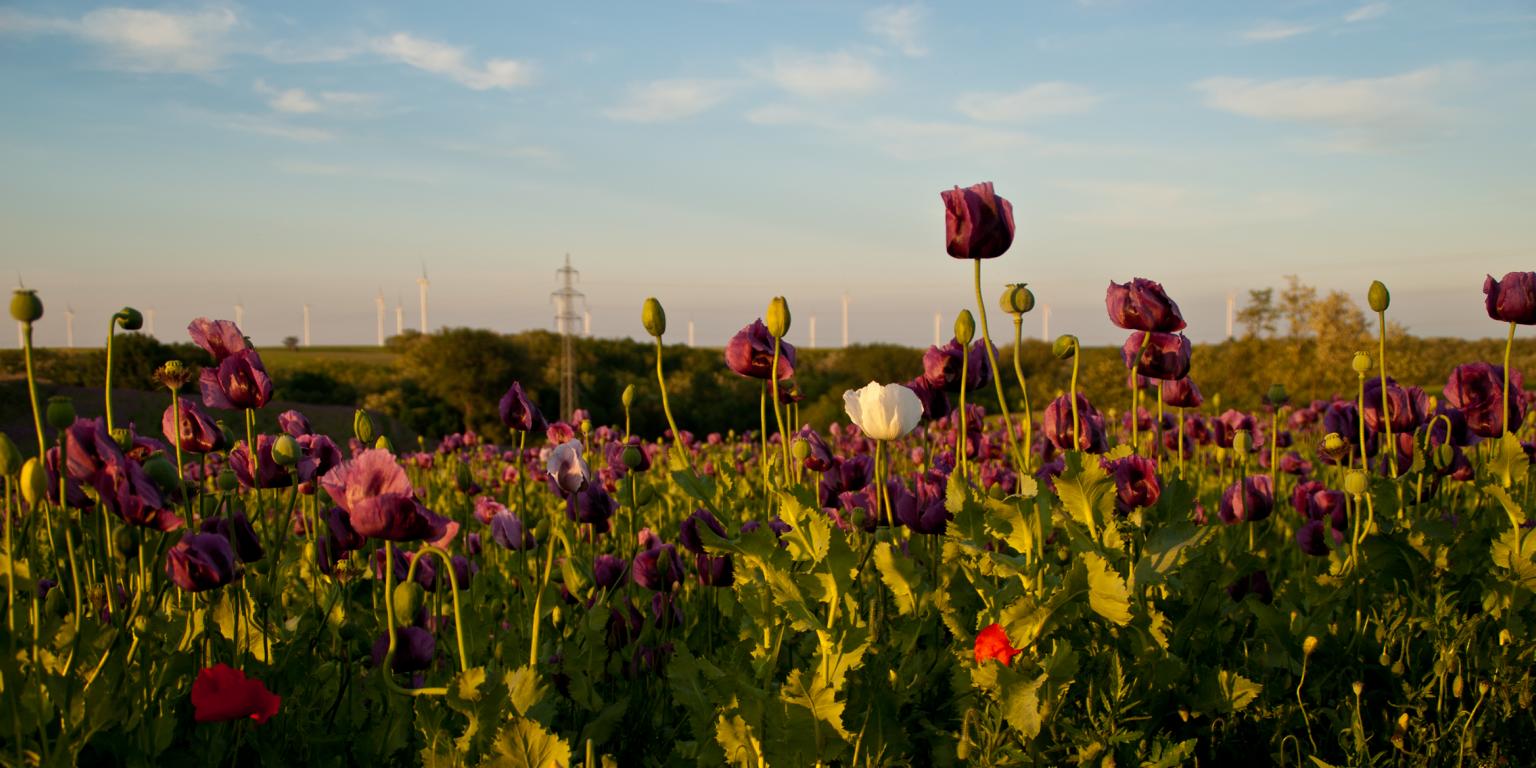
(188, 157)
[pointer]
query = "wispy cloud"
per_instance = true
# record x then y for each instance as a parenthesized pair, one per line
(666, 100)
(1269, 31)
(1140, 205)
(1032, 102)
(821, 75)
(899, 26)
(263, 125)
(1365, 113)
(454, 63)
(297, 101)
(1367, 12)
(137, 39)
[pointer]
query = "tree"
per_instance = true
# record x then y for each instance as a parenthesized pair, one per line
(1296, 306)
(291, 343)
(1259, 315)
(468, 368)
(1338, 323)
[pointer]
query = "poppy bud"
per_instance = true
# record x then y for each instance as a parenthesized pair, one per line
(800, 449)
(1358, 687)
(1379, 297)
(1355, 483)
(129, 319)
(26, 307)
(778, 317)
(286, 451)
(1018, 299)
(1333, 443)
(54, 603)
(408, 598)
(362, 426)
(60, 412)
(633, 457)
(384, 444)
(34, 482)
(1444, 455)
(10, 457)
(628, 398)
(1065, 347)
(1242, 442)
(227, 480)
(161, 472)
(1361, 363)
(653, 318)
(647, 495)
(1277, 396)
(463, 478)
(1309, 645)
(965, 327)
(586, 426)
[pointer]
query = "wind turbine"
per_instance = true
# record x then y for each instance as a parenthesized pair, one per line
(399, 315)
(240, 315)
(422, 281)
(306, 325)
(69, 326)
(378, 304)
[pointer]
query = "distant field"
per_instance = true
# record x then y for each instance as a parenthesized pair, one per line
(359, 354)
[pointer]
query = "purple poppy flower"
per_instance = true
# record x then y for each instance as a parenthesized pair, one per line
(1406, 404)
(463, 570)
(1459, 434)
(657, 568)
(238, 382)
(1056, 424)
(321, 452)
(269, 474)
(294, 423)
(1136, 483)
(941, 367)
(852, 474)
(1477, 390)
(978, 223)
(377, 496)
(820, 459)
(568, 471)
(1142, 305)
(1292, 463)
(1249, 500)
(923, 511)
(1162, 356)
(1512, 299)
(688, 530)
(1312, 538)
(200, 562)
(198, 432)
(715, 570)
(935, 403)
(1226, 426)
(519, 413)
(237, 529)
(126, 491)
(591, 505)
(340, 533)
(750, 353)
(507, 529)
(414, 649)
(607, 571)
(1256, 584)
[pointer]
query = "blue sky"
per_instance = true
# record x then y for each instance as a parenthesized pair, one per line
(187, 157)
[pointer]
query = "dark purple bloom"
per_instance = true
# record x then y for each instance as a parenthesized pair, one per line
(238, 382)
(237, 529)
(1142, 305)
(201, 561)
(1250, 500)
(507, 529)
(320, 452)
(715, 570)
(269, 474)
(978, 224)
(1512, 299)
(1162, 356)
(339, 532)
(591, 504)
(935, 403)
(1136, 483)
(1312, 537)
(294, 423)
(750, 353)
(607, 571)
(377, 496)
(820, 459)
(198, 432)
(1292, 463)
(1477, 390)
(1256, 584)
(851, 474)
(1406, 404)
(923, 511)
(519, 413)
(688, 530)
(1056, 424)
(657, 568)
(941, 367)
(414, 649)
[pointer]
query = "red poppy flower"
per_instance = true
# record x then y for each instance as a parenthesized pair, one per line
(222, 692)
(992, 643)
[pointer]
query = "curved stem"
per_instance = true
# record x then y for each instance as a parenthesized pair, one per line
(111, 327)
(1386, 415)
(773, 377)
(965, 360)
(1077, 432)
(453, 581)
(37, 413)
(1018, 371)
(1503, 417)
(661, 382)
(1365, 462)
(997, 379)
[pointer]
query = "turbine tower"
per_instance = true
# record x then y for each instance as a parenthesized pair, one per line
(422, 281)
(690, 331)
(399, 315)
(378, 304)
(1231, 307)
(306, 325)
(240, 316)
(1045, 323)
(813, 331)
(69, 326)
(938, 322)
(566, 317)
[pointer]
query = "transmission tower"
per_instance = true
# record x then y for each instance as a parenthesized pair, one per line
(567, 317)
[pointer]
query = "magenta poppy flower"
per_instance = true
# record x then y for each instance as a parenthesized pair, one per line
(1182, 393)
(1056, 425)
(1226, 426)
(269, 474)
(688, 530)
(941, 367)
(1162, 356)
(1142, 305)
(518, 412)
(238, 382)
(507, 529)
(199, 434)
(237, 529)
(1477, 389)
(200, 562)
(1406, 404)
(1136, 483)
(1249, 500)
(414, 649)
(978, 223)
(657, 568)
(294, 423)
(1512, 299)
(750, 353)
(377, 496)
(935, 403)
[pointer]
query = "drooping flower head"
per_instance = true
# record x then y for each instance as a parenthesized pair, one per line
(222, 693)
(750, 353)
(200, 562)
(199, 434)
(519, 413)
(1142, 305)
(376, 494)
(978, 223)
(1512, 299)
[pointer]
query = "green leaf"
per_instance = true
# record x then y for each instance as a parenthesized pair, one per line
(1508, 460)
(1086, 492)
(809, 533)
(524, 743)
(899, 576)
(465, 689)
(17, 568)
(524, 689)
(1236, 691)
(1165, 755)
(1021, 707)
(1515, 550)
(1164, 550)
(1511, 508)
(1107, 594)
(742, 747)
(814, 706)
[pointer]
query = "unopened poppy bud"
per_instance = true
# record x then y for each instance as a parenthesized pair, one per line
(1456, 686)
(286, 451)
(408, 598)
(161, 472)
(129, 319)
(384, 444)
(34, 482)
(1018, 299)
(778, 317)
(1444, 455)
(10, 457)
(229, 437)
(1277, 396)
(965, 327)
(362, 427)
(633, 457)
(800, 449)
(647, 495)
(1379, 297)
(628, 398)
(1361, 363)
(1359, 687)
(123, 438)
(653, 318)
(227, 480)
(586, 426)
(26, 307)
(1065, 347)
(1242, 442)
(1355, 483)
(1309, 645)
(60, 411)
(1505, 638)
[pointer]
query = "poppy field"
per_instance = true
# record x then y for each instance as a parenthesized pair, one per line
(962, 571)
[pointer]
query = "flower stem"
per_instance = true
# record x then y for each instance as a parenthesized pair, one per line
(1503, 417)
(1077, 434)
(1018, 371)
(661, 382)
(997, 380)
(1136, 396)
(965, 360)
(773, 377)
(37, 413)
(1386, 415)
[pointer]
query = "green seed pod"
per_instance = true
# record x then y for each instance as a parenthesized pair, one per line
(228, 481)
(384, 444)
(126, 541)
(229, 437)
(10, 457)
(129, 319)
(1444, 454)
(1355, 483)
(628, 398)
(586, 426)
(1334, 443)
(55, 603)
(161, 472)
(362, 427)
(1065, 347)
(965, 327)
(60, 412)
(26, 307)
(1309, 645)
(778, 317)
(286, 451)
(1398, 668)
(633, 457)
(647, 495)
(34, 482)
(1017, 299)
(1242, 442)
(800, 449)
(653, 317)
(408, 598)
(1361, 363)
(1384, 659)
(1456, 686)
(1277, 396)
(1379, 297)
(1482, 688)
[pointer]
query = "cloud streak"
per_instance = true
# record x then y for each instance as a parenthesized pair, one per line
(1041, 100)
(137, 39)
(824, 75)
(899, 27)
(454, 62)
(667, 100)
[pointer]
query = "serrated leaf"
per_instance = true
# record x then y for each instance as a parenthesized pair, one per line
(742, 747)
(524, 743)
(1508, 460)
(813, 705)
(1515, 550)
(465, 689)
(899, 577)
(1236, 691)
(1107, 594)
(1511, 508)
(1086, 492)
(524, 689)
(1021, 707)
(1164, 550)
(809, 533)
(1164, 755)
